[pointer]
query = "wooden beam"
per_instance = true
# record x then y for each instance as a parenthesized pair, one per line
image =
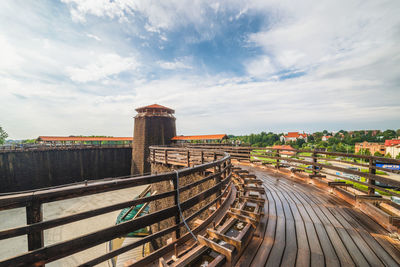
(216, 247)
(254, 188)
(252, 199)
(253, 181)
(334, 184)
(230, 240)
(243, 218)
(253, 215)
(371, 198)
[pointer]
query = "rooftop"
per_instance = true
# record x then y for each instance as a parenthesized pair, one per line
(82, 138)
(201, 137)
(392, 142)
(295, 134)
(155, 107)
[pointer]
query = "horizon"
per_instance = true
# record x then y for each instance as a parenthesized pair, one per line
(236, 135)
(82, 67)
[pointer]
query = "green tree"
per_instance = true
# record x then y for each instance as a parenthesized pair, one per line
(389, 134)
(398, 156)
(378, 154)
(300, 142)
(3, 136)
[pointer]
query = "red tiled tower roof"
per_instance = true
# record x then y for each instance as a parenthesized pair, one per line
(155, 107)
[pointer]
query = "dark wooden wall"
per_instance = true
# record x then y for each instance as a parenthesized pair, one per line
(26, 170)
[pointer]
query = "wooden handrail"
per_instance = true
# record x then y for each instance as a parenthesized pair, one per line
(33, 202)
(66, 248)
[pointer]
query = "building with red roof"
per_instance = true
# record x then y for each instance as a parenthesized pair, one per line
(392, 142)
(392, 147)
(326, 137)
(293, 136)
(202, 138)
(83, 139)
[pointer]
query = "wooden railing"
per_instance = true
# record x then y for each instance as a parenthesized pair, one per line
(40, 147)
(212, 165)
(318, 162)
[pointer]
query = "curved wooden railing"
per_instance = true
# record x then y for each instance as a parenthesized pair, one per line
(212, 165)
(318, 162)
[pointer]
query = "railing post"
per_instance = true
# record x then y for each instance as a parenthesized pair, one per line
(188, 158)
(217, 181)
(277, 160)
(314, 167)
(166, 156)
(177, 216)
(202, 157)
(34, 214)
(154, 155)
(372, 170)
(214, 159)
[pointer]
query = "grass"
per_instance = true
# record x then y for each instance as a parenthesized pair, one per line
(305, 154)
(377, 171)
(364, 188)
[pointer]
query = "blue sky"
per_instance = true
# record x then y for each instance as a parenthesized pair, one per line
(237, 67)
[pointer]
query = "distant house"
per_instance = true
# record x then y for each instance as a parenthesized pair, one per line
(326, 137)
(293, 136)
(372, 147)
(214, 138)
(392, 147)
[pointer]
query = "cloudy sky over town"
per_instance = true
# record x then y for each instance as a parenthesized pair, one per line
(81, 67)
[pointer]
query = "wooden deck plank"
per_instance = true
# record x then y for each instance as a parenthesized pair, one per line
(364, 248)
(327, 247)
(278, 248)
(290, 252)
(379, 233)
(303, 249)
(308, 227)
(347, 241)
(372, 243)
(269, 235)
(341, 251)
(317, 256)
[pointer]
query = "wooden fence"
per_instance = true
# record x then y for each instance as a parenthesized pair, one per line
(40, 147)
(345, 166)
(216, 165)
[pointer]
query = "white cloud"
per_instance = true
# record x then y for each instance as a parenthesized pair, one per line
(9, 56)
(348, 50)
(103, 67)
(177, 64)
(313, 34)
(261, 66)
(93, 36)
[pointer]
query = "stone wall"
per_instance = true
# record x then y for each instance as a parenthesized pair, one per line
(167, 202)
(26, 170)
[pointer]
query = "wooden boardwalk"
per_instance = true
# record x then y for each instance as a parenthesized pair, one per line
(305, 226)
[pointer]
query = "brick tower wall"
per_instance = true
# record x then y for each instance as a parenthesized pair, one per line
(148, 131)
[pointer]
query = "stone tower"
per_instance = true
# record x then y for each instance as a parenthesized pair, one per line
(154, 125)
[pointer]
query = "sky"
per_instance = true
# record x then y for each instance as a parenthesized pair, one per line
(81, 67)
